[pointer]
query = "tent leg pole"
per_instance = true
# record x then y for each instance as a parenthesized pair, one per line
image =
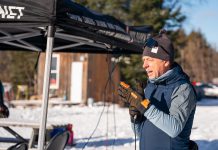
(45, 94)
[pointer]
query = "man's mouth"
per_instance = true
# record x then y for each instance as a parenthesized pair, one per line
(148, 72)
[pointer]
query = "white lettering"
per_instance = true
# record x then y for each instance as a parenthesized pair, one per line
(11, 12)
(101, 23)
(110, 26)
(118, 28)
(20, 9)
(88, 20)
(2, 12)
(75, 17)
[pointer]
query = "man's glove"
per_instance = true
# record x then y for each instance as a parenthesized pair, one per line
(4, 112)
(140, 86)
(135, 115)
(133, 98)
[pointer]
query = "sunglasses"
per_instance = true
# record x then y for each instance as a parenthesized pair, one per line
(151, 43)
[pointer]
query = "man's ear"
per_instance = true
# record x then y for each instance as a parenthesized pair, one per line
(167, 64)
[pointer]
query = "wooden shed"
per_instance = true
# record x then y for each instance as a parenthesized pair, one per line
(76, 77)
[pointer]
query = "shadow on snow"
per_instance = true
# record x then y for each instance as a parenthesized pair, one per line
(207, 145)
(105, 142)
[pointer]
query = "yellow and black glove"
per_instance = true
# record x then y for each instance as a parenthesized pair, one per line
(133, 98)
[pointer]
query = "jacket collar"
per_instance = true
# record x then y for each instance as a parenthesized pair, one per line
(171, 76)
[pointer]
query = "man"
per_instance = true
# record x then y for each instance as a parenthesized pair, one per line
(4, 112)
(163, 115)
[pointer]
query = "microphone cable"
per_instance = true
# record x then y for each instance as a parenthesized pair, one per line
(99, 119)
(135, 129)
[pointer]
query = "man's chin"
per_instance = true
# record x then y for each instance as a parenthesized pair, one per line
(151, 77)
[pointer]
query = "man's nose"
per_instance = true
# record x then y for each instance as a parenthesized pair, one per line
(145, 65)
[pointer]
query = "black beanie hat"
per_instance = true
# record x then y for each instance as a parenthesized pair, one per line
(159, 47)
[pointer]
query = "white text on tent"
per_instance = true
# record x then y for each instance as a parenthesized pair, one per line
(11, 12)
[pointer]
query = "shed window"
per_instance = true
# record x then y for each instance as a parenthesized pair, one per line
(55, 67)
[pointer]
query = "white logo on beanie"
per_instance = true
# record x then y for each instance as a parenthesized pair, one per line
(154, 49)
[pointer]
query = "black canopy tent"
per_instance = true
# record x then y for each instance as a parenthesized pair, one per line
(35, 25)
(23, 23)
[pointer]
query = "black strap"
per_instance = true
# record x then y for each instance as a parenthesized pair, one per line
(1, 94)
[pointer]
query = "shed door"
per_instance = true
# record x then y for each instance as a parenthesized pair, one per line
(76, 82)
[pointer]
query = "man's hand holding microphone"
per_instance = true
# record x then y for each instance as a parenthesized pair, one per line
(135, 99)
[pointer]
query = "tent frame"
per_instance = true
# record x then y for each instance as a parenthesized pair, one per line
(18, 40)
(45, 94)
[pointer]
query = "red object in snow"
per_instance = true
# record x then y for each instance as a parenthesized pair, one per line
(71, 134)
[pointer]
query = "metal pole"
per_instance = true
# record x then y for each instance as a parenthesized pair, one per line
(45, 94)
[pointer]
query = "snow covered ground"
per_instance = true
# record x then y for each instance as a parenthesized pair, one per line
(114, 129)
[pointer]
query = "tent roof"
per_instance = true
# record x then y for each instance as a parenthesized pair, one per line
(23, 27)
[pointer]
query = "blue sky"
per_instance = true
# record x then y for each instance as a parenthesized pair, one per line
(202, 15)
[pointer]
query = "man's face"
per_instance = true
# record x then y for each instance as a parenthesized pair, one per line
(155, 67)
